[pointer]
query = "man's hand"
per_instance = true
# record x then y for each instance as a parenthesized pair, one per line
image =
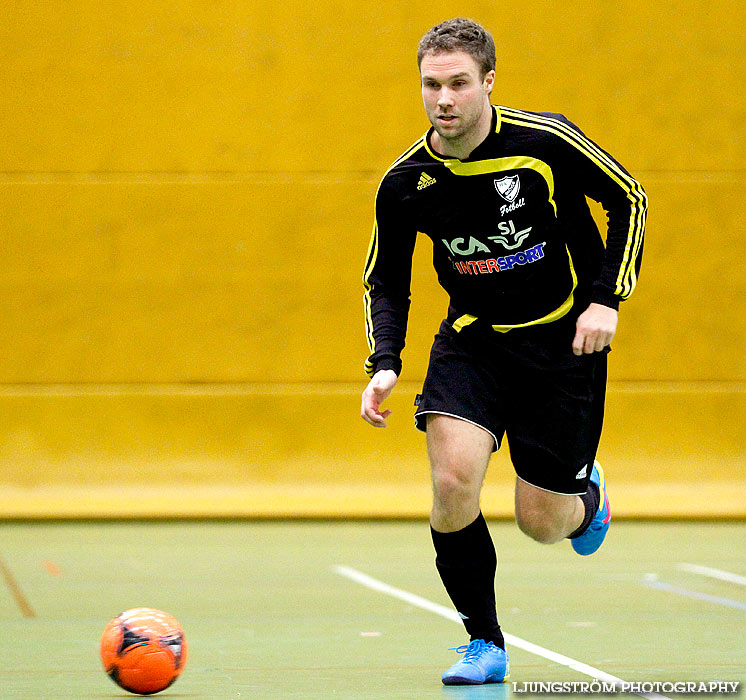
(596, 327)
(375, 394)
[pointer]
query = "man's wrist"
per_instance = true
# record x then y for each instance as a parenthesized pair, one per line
(392, 363)
(605, 298)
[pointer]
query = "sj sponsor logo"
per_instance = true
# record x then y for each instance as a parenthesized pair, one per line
(509, 238)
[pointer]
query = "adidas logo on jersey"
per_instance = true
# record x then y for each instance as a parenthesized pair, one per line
(425, 181)
(582, 473)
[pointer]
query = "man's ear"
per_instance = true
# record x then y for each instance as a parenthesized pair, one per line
(489, 81)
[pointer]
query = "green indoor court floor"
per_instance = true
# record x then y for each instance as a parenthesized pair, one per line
(284, 609)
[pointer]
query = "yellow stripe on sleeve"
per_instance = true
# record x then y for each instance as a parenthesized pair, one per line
(372, 257)
(627, 277)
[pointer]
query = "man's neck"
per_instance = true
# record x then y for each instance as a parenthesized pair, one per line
(462, 148)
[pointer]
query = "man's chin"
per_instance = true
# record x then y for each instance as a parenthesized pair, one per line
(447, 133)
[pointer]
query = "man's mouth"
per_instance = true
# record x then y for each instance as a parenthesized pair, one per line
(446, 117)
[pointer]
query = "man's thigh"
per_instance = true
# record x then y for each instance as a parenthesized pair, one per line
(458, 385)
(458, 447)
(554, 426)
(549, 401)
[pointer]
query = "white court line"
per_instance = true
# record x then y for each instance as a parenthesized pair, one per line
(449, 614)
(696, 595)
(713, 573)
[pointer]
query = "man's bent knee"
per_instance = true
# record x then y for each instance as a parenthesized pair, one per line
(544, 516)
(540, 527)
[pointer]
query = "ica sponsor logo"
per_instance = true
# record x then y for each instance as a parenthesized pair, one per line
(509, 238)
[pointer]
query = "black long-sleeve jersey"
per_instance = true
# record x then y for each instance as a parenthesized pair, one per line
(514, 242)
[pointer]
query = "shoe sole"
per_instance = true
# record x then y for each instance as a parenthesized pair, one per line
(462, 680)
(459, 680)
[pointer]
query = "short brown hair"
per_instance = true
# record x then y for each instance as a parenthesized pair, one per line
(460, 35)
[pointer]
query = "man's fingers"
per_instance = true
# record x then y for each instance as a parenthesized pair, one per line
(589, 342)
(577, 343)
(375, 394)
(370, 415)
(596, 327)
(377, 420)
(369, 411)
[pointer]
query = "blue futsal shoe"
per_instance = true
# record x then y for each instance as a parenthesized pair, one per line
(593, 537)
(483, 662)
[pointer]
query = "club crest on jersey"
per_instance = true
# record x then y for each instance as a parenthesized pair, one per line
(508, 187)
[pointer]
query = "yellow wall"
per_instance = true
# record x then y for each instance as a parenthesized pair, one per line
(186, 197)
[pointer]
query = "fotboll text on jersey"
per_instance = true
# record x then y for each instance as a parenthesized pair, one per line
(507, 208)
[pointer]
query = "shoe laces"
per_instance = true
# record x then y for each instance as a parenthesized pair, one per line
(472, 650)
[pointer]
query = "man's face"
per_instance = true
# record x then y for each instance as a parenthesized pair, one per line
(454, 93)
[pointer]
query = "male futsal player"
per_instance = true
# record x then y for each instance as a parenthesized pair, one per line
(534, 295)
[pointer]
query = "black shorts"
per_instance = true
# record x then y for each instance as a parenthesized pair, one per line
(529, 386)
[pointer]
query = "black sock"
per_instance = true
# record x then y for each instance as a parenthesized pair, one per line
(591, 500)
(466, 561)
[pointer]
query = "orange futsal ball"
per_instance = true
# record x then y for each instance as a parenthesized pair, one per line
(144, 650)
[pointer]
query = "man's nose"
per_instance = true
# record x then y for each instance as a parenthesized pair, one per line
(445, 97)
